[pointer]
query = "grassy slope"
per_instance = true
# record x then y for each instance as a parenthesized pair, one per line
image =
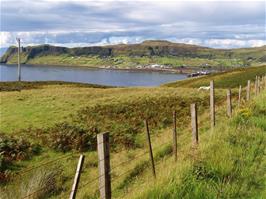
(230, 79)
(229, 162)
(54, 103)
(118, 108)
(230, 170)
(34, 107)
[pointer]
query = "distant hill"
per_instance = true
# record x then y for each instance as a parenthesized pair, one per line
(142, 53)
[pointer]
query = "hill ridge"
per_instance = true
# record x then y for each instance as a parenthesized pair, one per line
(148, 48)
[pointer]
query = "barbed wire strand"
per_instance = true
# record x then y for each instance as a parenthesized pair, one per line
(138, 156)
(122, 174)
(116, 166)
(43, 164)
(131, 159)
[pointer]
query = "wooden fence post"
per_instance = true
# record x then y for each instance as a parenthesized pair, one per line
(264, 81)
(256, 86)
(212, 104)
(194, 123)
(229, 103)
(239, 95)
(248, 91)
(150, 147)
(77, 177)
(174, 136)
(104, 165)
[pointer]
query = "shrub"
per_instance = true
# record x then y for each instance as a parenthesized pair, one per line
(65, 137)
(13, 149)
(243, 116)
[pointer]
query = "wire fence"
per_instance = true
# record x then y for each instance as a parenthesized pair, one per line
(113, 178)
(44, 164)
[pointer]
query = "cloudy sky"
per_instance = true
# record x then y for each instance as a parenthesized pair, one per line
(218, 24)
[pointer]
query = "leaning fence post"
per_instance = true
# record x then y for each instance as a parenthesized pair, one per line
(248, 91)
(174, 136)
(150, 147)
(194, 123)
(229, 103)
(77, 177)
(212, 105)
(239, 95)
(103, 147)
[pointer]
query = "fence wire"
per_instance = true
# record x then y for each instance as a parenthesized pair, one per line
(114, 178)
(44, 164)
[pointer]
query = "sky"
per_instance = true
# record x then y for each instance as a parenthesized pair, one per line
(216, 24)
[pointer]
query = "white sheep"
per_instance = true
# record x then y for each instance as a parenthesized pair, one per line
(206, 88)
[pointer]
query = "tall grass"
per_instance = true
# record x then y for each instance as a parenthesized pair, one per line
(230, 162)
(41, 183)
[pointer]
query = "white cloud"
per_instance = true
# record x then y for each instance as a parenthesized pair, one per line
(83, 22)
(5, 38)
(36, 38)
(234, 43)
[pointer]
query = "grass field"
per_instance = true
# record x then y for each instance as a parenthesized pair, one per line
(229, 162)
(44, 116)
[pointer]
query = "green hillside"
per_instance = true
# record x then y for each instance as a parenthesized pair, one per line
(230, 79)
(228, 163)
(46, 125)
(164, 53)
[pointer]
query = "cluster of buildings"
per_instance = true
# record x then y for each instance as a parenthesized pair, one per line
(199, 73)
(153, 66)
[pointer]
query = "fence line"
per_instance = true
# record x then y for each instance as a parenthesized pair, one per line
(103, 146)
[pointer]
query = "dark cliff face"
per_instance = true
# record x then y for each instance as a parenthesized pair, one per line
(94, 50)
(44, 50)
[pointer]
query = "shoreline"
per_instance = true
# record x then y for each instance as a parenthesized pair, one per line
(184, 71)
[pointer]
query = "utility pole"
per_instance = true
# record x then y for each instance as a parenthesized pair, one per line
(19, 68)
